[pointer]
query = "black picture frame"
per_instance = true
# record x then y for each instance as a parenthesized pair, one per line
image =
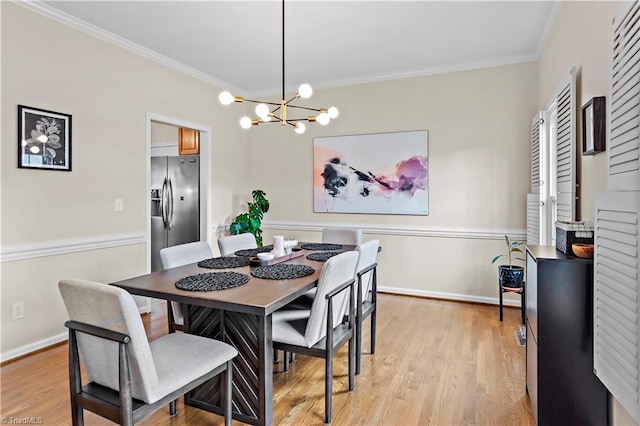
(44, 139)
(593, 126)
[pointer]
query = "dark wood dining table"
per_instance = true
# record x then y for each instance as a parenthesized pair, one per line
(239, 316)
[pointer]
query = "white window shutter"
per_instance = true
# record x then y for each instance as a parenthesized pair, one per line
(534, 206)
(566, 148)
(616, 346)
(616, 355)
(624, 152)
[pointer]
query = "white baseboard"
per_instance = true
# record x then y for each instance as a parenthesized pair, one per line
(448, 296)
(42, 344)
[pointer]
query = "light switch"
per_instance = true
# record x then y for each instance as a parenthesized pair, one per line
(119, 204)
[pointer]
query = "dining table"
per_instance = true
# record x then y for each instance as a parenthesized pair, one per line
(239, 316)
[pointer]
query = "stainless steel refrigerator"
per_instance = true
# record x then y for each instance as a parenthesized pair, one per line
(175, 203)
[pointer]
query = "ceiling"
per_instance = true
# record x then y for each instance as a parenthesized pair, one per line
(238, 44)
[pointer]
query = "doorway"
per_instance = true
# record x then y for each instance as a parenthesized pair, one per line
(167, 149)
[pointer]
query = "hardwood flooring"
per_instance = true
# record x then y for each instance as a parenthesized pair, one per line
(436, 363)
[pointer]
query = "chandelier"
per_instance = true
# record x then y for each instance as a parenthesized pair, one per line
(273, 112)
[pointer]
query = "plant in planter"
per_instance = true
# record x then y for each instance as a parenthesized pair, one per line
(511, 275)
(250, 222)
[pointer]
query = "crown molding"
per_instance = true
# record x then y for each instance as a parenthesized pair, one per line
(71, 21)
(468, 66)
(546, 31)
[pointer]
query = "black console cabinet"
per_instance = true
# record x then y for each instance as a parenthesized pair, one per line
(560, 380)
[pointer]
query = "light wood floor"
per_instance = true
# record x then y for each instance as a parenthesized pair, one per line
(436, 363)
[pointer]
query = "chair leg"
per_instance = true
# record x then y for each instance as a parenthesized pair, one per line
(358, 345)
(172, 408)
(328, 386)
(352, 362)
(228, 391)
(286, 361)
(373, 329)
(292, 357)
(276, 356)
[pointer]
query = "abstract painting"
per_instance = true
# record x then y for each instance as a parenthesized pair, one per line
(382, 173)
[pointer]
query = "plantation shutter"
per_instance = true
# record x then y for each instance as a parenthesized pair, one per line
(534, 205)
(616, 348)
(616, 296)
(624, 152)
(566, 149)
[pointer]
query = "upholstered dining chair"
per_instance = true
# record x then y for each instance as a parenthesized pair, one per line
(233, 243)
(350, 236)
(320, 331)
(174, 256)
(367, 280)
(128, 377)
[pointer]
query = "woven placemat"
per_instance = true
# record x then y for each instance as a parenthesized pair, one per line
(322, 256)
(282, 272)
(321, 246)
(253, 252)
(212, 281)
(224, 262)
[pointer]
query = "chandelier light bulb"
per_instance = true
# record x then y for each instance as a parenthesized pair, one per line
(262, 111)
(305, 91)
(300, 128)
(266, 119)
(245, 122)
(323, 118)
(225, 98)
(333, 112)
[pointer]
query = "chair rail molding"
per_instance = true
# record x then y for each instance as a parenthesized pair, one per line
(416, 231)
(57, 247)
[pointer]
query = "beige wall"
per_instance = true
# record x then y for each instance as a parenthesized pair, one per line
(108, 91)
(478, 123)
(582, 36)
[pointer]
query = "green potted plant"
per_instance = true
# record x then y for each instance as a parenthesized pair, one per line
(510, 275)
(251, 221)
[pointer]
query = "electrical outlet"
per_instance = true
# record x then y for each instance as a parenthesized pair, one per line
(119, 204)
(17, 310)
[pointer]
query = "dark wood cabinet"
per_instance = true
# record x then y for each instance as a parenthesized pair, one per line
(560, 381)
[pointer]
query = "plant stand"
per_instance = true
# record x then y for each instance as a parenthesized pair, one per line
(511, 280)
(520, 291)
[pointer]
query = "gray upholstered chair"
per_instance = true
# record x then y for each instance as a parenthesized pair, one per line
(174, 256)
(320, 331)
(349, 236)
(233, 243)
(366, 281)
(128, 377)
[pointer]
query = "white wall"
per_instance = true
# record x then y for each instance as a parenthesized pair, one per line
(478, 123)
(582, 36)
(108, 91)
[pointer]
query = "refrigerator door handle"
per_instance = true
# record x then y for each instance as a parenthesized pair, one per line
(170, 212)
(163, 202)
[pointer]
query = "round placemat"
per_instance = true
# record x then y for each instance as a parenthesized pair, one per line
(212, 281)
(321, 246)
(282, 272)
(224, 262)
(322, 256)
(253, 252)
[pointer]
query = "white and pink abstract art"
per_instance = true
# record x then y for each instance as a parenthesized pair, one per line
(382, 173)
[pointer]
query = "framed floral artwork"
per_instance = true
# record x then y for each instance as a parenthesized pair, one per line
(44, 139)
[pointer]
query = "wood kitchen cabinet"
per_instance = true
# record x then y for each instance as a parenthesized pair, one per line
(188, 141)
(559, 318)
